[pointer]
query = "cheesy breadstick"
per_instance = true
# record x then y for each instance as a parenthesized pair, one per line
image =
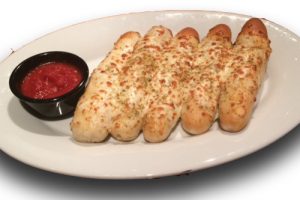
(165, 109)
(134, 95)
(248, 65)
(204, 80)
(97, 106)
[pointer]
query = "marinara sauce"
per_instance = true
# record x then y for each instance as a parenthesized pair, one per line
(50, 80)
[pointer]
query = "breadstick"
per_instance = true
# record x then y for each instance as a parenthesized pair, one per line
(135, 79)
(204, 81)
(96, 107)
(248, 64)
(164, 110)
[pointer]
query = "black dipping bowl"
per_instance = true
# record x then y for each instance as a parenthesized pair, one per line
(55, 108)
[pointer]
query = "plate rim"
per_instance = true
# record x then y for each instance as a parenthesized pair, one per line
(141, 12)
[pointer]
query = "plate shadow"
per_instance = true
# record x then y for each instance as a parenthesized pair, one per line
(28, 122)
(201, 181)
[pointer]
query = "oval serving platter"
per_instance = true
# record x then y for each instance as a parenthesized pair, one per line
(48, 145)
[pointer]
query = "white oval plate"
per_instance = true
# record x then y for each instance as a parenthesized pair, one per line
(48, 144)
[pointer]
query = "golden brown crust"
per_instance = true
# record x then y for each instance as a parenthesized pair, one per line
(188, 32)
(254, 26)
(164, 112)
(220, 30)
(200, 108)
(247, 65)
(157, 125)
(195, 120)
(235, 113)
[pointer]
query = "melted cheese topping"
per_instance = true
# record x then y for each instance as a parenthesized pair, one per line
(160, 75)
(98, 105)
(204, 80)
(167, 87)
(244, 72)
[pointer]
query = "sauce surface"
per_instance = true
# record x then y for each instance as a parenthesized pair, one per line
(50, 80)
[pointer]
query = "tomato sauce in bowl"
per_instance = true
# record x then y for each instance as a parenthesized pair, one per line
(50, 80)
(49, 84)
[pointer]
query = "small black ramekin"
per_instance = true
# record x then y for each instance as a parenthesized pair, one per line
(49, 109)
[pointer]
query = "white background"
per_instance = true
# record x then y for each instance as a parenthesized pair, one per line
(272, 173)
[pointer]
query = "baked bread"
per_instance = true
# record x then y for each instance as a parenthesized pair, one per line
(97, 106)
(166, 86)
(135, 94)
(247, 67)
(203, 81)
(148, 83)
